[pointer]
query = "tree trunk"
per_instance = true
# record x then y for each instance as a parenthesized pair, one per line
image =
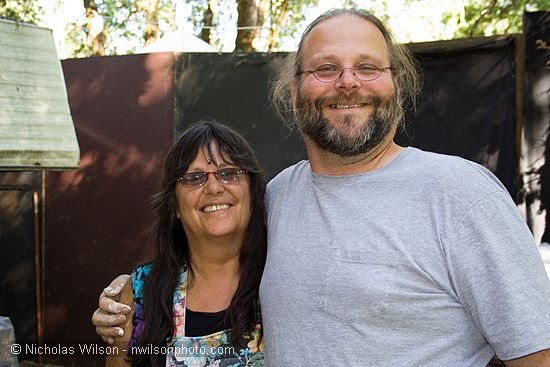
(246, 23)
(151, 21)
(96, 28)
(207, 22)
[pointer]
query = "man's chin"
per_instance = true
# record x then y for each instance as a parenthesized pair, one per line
(340, 143)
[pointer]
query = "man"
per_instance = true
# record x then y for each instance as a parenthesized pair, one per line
(380, 255)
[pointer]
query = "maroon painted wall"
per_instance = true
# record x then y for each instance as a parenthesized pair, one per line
(96, 217)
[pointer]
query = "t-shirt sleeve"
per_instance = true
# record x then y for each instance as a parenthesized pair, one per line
(499, 277)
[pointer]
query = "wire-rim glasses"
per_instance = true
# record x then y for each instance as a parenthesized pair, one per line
(225, 176)
(329, 73)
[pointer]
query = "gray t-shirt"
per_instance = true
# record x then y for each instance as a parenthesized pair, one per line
(424, 262)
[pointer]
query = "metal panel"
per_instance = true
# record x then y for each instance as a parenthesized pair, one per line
(466, 106)
(35, 121)
(97, 217)
(234, 89)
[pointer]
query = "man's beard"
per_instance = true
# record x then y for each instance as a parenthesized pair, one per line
(312, 123)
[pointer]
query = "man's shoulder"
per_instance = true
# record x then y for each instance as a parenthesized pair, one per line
(448, 170)
(288, 174)
(438, 160)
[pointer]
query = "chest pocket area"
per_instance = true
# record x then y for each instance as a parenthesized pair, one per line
(361, 285)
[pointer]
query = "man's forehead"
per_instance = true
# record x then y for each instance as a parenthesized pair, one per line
(345, 35)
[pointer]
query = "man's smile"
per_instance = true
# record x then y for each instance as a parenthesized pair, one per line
(347, 106)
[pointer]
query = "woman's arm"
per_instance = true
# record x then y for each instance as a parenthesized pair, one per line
(538, 359)
(121, 342)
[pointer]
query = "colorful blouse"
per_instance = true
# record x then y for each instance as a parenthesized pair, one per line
(200, 351)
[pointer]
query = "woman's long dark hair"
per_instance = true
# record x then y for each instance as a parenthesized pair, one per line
(171, 244)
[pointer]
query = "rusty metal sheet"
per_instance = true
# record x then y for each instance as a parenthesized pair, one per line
(97, 217)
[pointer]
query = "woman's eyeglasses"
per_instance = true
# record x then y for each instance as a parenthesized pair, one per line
(225, 176)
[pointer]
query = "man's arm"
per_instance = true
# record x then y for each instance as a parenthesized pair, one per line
(500, 279)
(111, 314)
(538, 359)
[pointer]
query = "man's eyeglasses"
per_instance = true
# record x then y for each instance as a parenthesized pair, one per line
(226, 176)
(329, 73)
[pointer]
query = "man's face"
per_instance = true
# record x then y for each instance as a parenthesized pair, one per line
(348, 116)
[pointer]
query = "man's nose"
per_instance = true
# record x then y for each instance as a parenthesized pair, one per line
(347, 81)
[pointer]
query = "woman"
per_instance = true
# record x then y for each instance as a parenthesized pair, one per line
(199, 296)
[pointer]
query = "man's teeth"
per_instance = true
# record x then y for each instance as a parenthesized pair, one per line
(213, 208)
(342, 106)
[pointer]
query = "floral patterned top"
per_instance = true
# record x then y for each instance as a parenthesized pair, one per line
(198, 351)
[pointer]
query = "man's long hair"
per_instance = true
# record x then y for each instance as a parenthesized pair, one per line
(171, 244)
(405, 73)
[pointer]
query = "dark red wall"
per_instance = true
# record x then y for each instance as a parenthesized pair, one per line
(96, 217)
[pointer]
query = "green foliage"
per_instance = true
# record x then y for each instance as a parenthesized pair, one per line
(349, 4)
(287, 16)
(196, 18)
(75, 40)
(292, 19)
(21, 10)
(491, 17)
(378, 8)
(124, 20)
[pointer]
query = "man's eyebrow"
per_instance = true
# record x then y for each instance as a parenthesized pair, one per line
(334, 58)
(328, 58)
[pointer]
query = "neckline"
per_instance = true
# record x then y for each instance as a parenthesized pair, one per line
(205, 312)
(320, 177)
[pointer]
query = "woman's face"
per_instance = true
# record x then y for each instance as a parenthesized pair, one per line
(215, 210)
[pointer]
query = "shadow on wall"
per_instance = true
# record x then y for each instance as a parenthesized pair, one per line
(97, 217)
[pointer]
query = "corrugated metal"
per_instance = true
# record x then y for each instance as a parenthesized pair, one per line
(36, 128)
